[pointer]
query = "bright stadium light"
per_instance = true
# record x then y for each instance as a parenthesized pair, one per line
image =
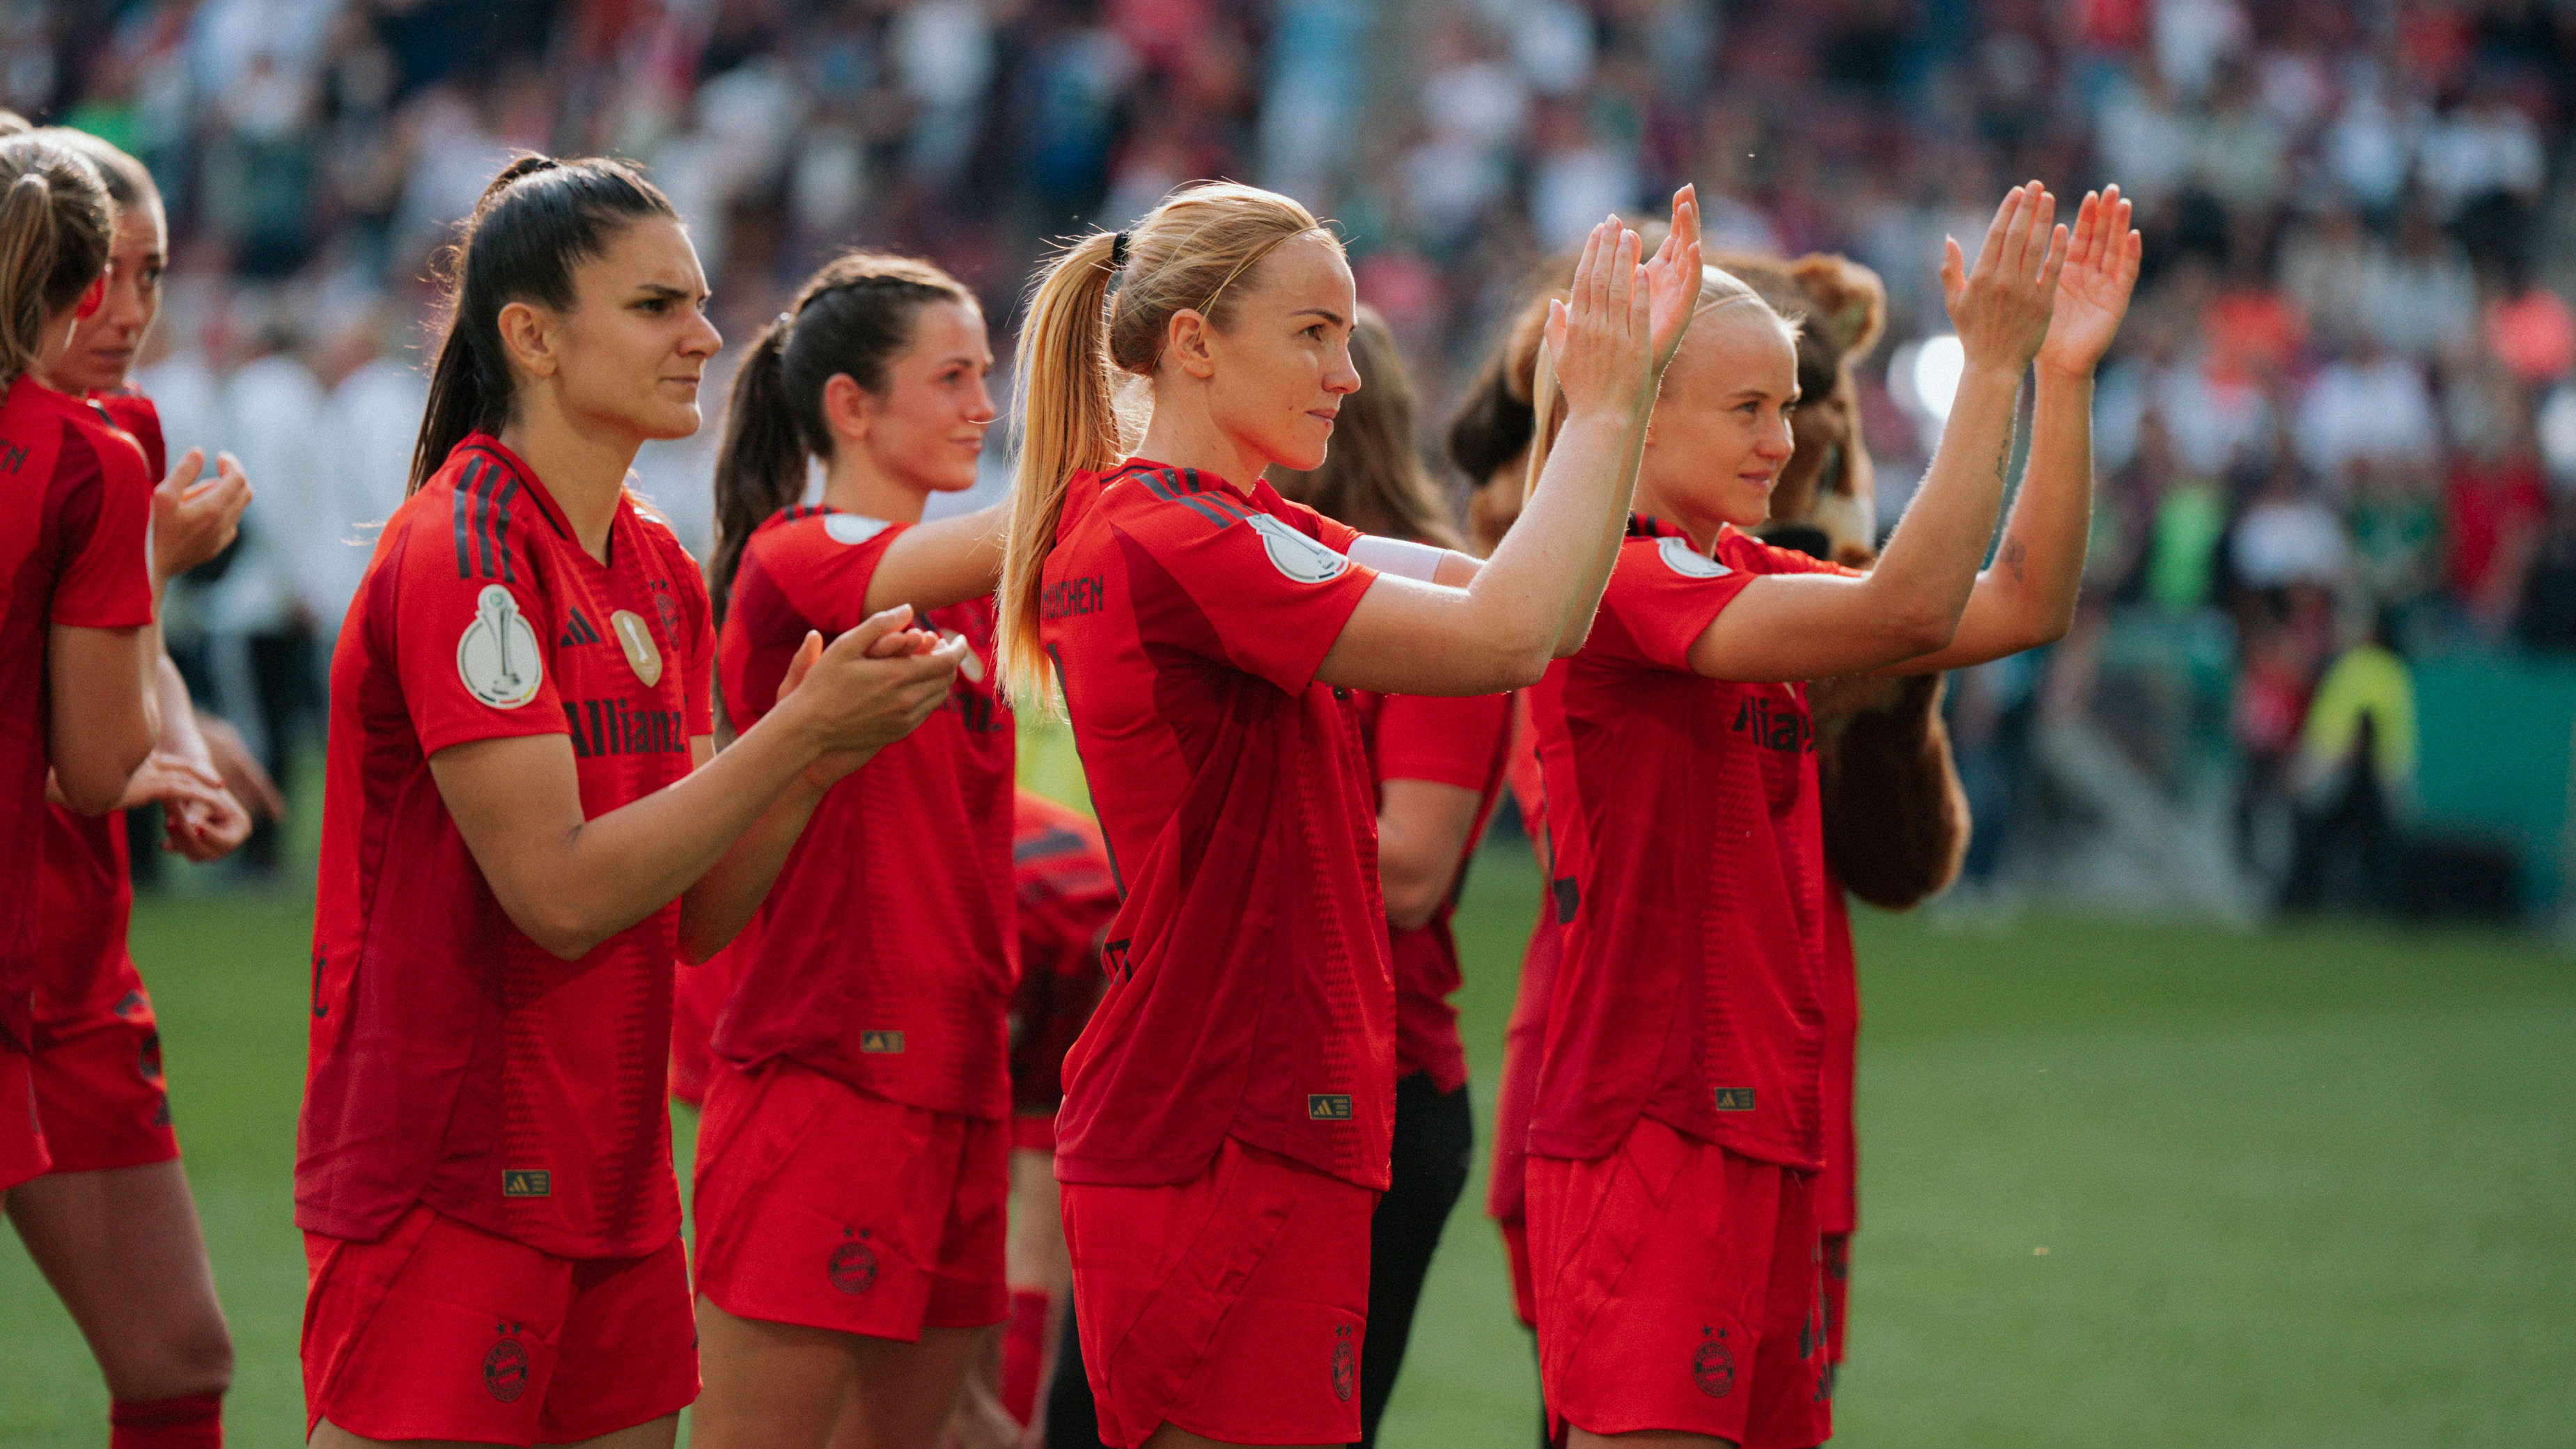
(1932, 378)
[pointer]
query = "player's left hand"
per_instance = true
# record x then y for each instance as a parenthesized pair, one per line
(1673, 278)
(2093, 288)
(244, 777)
(194, 519)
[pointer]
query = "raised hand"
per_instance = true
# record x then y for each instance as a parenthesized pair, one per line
(2001, 307)
(869, 688)
(1601, 335)
(2093, 291)
(1673, 278)
(193, 520)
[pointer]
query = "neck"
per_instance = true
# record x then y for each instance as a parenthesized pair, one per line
(1655, 502)
(854, 484)
(1182, 434)
(583, 468)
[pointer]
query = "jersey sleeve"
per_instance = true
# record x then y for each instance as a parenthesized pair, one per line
(472, 635)
(104, 508)
(1445, 741)
(1664, 594)
(1261, 594)
(824, 565)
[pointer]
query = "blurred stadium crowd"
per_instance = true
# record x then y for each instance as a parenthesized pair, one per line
(2342, 411)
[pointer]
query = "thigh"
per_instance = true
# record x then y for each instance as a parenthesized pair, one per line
(905, 1392)
(123, 1250)
(627, 1355)
(767, 1384)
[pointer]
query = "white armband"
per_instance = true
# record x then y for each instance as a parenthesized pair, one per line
(1396, 556)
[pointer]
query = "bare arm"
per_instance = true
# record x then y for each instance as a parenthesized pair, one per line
(2028, 597)
(1421, 833)
(571, 883)
(1806, 626)
(106, 711)
(947, 561)
(1521, 606)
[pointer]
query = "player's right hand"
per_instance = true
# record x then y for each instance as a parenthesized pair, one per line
(1601, 336)
(869, 688)
(193, 520)
(2001, 306)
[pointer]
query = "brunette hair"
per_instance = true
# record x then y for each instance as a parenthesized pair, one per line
(537, 221)
(1078, 337)
(1373, 478)
(56, 222)
(853, 317)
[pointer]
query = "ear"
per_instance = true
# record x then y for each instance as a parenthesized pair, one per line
(849, 410)
(528, 336)
(1187, 342)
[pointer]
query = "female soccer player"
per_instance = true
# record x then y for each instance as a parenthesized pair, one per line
(77, 640)
(854, 1161)
(1672, 1225)
(113, 1225)
(524, 823)
(1227, 1113)
(1437, 764)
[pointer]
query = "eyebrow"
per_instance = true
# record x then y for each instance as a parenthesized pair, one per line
(1327, 313)
(658, 289)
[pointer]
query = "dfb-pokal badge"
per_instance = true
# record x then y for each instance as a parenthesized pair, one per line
(498, 658)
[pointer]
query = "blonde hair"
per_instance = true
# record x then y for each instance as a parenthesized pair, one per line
(56, 223)
(1184, 255)
(1718, 290)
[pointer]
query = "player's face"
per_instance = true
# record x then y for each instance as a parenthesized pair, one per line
(1283, 362)
(927, 431)
(1721, 430)
(631, 351)
(104, 344)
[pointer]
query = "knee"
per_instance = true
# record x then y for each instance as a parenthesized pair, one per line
(188, 1357)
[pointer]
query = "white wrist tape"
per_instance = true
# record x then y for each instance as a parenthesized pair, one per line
(1395, 556)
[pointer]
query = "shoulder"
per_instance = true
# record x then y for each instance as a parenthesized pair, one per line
(476, 520)
(1741, 550)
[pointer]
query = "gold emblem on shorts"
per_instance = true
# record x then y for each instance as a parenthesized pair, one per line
(881, 1043)
(636, 638)
(1328, 1106)
(1735, 1099)
(527, 1182)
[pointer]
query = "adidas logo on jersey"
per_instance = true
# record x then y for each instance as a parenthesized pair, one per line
(1328, 1106)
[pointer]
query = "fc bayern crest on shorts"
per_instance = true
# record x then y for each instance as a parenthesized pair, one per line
(1294, 554)
(852, 1268)
(505, 1368)
(1713, 1367)
(497, 656)
(1345, 1364)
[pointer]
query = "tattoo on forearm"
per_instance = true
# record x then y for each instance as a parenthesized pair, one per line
(2013, 555)
(2003, 460)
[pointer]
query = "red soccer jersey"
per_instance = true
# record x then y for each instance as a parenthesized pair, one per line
(88, 890)
(1248, 989)
(453, 1061)
(1838, 1187)
(1067, 897)
(1688, 872)
(1462, 742)
(75, 520)
(883, 955)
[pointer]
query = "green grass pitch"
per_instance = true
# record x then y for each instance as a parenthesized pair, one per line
(2298, 1188)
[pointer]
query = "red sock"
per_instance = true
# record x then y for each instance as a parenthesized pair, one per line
(193, 1421)
(1023, 1352)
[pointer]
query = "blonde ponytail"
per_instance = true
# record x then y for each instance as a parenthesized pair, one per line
(55, 226)
(1195, 251)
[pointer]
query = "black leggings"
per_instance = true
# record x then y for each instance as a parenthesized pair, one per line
(1434, 1136)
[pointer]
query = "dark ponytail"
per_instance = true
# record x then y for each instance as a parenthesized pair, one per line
(538, 220)
(853, 317)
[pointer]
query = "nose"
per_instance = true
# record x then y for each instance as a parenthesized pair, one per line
(1777, 442)
(979, 404)
(1341, 375)
(702, 340)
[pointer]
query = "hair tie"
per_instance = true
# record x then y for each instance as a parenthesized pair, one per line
(1118, 251)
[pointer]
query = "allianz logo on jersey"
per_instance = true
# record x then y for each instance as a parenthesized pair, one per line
(1774, 727)
(881, 1043)
(617, 727)
(1328, 1106)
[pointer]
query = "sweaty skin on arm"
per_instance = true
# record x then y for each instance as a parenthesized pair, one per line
(1533, 600)
(713, 841)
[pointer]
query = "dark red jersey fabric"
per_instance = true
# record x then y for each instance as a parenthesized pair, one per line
(1462, 742)
(75, 518)
(1688, 873)
(453, 1061)
(883, 956)
(1838, 1186)
(1248, 991)
(1067, 897)
(87, 894)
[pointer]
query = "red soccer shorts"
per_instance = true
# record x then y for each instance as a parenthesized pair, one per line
(1678, 1290)
(98, 1091)
(1516, 1253)
(823, 1205)
(1034, 1131)
(1837, 1263)
(1233, 1305)
(22, 1136)
(438, 1330)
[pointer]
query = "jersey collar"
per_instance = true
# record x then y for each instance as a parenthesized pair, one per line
(547, 508)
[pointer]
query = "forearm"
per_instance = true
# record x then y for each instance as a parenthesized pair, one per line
(179, 735)
(722, 902)
(2040, 565)
(1540, 586)
(1923, 580)
(945, 562)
